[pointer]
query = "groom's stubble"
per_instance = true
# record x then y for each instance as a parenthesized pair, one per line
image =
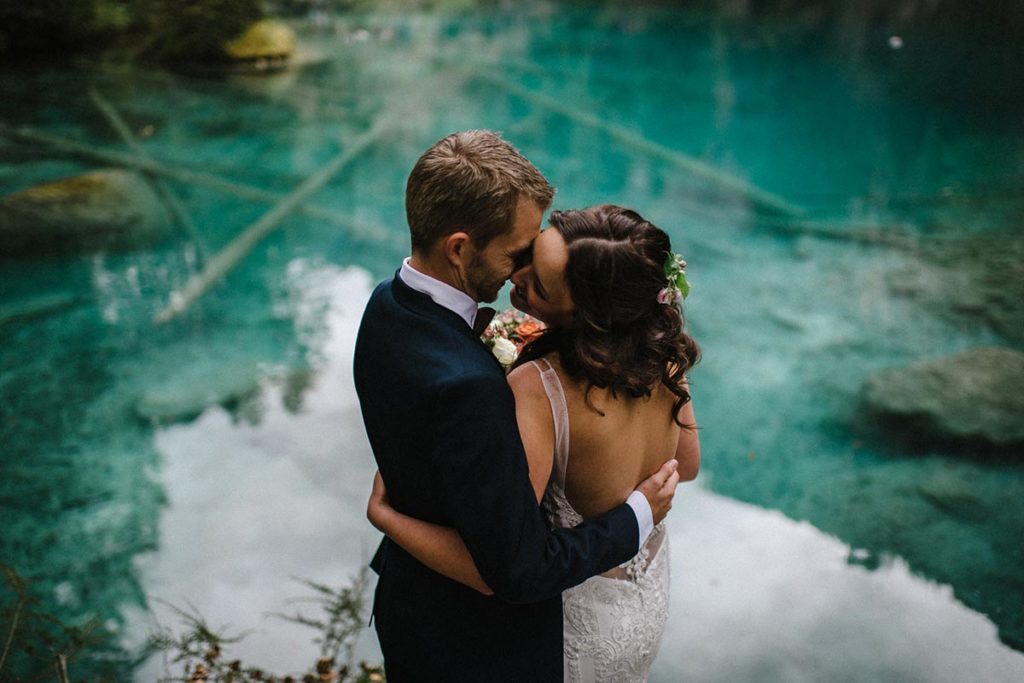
(482, 283)
(488, 269)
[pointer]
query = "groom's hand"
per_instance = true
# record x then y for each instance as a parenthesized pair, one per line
(660, 488)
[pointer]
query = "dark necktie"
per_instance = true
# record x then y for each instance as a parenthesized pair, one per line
(484, 316)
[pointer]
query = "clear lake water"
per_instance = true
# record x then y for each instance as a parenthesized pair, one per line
(812, 547)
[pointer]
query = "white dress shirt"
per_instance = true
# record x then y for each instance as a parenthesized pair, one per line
(460, 303)
(443, 294)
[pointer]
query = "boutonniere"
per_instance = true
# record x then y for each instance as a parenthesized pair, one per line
(508, 333)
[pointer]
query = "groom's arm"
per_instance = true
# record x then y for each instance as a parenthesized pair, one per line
(483, 480)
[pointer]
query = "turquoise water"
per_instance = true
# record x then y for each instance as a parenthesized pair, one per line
(811, 548)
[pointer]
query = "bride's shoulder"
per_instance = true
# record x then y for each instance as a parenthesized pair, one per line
(522, 373)
(534, 368)
(526, 381)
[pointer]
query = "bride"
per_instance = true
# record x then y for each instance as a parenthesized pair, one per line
(610, 370)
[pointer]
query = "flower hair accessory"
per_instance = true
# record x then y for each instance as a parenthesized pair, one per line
(678, 288)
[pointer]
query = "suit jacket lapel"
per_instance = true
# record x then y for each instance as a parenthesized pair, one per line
(422, 304)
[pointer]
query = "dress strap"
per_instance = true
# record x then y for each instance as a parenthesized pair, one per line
(560, 415)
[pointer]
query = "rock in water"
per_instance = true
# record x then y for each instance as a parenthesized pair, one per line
(977, 395)
(980, 277)
(993, 268)
(110, 208)
(266, 44)
(195, 388)
(956, 493)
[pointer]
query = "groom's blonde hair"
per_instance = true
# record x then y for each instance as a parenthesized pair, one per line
(471, 182)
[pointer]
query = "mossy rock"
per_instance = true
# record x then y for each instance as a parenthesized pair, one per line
(980, 277)
(970, 397)
(266, 39)
(993, 266)
(110, 208)
(956, 494)
(195, 388)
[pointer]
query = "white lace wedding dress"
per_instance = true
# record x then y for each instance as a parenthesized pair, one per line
(613, 622)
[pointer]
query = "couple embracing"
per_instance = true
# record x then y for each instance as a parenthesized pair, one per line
(524, 512)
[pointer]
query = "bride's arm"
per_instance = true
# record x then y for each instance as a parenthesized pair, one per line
(688, 447)
(440, 547)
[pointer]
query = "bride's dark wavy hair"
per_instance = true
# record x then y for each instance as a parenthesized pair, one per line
(620, 337)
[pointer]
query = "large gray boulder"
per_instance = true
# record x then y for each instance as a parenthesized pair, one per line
(110, 208)
(977, 395)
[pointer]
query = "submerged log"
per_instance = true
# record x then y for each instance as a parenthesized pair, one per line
(183, 175)
(171, 200)
(228, 257)
(895, 236)
(115, 158)
(760, 198)
(36, 307)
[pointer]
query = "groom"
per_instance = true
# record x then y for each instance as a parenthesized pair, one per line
(441, 421)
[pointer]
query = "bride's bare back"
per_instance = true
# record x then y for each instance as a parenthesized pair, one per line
(609, 454)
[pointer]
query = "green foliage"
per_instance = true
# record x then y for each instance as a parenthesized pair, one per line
(58, 26)
(342, 617)
(192, 31)
(441, 6)
(199, 649)
(165, 30)
(34, 645)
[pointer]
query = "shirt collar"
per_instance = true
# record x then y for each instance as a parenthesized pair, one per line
(442, 294)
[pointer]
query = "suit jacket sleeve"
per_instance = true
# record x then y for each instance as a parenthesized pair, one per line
(483, 476)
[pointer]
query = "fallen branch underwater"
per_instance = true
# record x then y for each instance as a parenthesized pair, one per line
(761, 198)
(186, 176)
(895, 236)
(228, 257)
(174, 204)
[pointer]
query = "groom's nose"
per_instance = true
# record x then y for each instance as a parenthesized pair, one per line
(517, 276)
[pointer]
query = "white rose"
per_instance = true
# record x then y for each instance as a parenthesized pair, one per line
(504, 351)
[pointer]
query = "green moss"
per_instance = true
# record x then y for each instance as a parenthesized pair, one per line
(265, 38)
(46, 26)
(76, 188)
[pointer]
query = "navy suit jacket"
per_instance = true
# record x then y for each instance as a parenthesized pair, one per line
(441, 421)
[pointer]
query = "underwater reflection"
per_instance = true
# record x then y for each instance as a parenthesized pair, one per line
(760, 597)
(254, 504)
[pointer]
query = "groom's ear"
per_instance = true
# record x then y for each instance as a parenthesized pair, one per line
(457, 248)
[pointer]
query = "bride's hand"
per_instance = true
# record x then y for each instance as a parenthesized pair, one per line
(660, 488)
(378, 505)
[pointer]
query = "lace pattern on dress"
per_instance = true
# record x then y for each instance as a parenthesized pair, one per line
(612, 627)
(612, 623)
